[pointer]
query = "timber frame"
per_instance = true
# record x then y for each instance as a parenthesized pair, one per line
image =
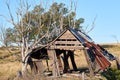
(66, 43)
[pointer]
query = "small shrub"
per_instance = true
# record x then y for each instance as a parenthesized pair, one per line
(112, 74)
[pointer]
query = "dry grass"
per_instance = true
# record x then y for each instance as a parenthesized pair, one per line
(113, 49)
(80, 59)
(11, 64)
(8, 70)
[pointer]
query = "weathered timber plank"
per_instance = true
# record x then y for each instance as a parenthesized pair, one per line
(67, 42)
(67, 47)
(40, 66)
(67, 35)
(60, 63)
(89, 62)
(55, 66)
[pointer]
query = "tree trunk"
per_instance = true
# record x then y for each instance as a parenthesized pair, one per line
(24, 65)
(24, 68)
(25, 61)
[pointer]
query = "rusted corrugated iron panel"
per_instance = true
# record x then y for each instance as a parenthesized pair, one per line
(87, 42)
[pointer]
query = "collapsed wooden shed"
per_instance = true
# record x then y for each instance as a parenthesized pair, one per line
(66, 43)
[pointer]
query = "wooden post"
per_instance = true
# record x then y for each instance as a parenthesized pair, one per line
(65, 61)
(83, 76)
(34, 69)
(60, 63)
(53, 57)
(72, 60)
(117, 63)
(47, 64)
(89, 62)
(58, 52)
(38, 67)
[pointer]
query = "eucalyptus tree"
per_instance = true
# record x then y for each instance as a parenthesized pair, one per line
(36, 27)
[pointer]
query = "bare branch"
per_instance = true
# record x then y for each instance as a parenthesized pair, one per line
(2, 35)
(115, 37)
(86, 28)
(75, 7)
(10, 13)
(37, 41)
(92, 26)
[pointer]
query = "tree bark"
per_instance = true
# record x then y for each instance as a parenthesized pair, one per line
(24, 65)
(25, 61)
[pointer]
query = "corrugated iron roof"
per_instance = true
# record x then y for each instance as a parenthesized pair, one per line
(81, 36)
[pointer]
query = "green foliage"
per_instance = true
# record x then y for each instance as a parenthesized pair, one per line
(112, 74)
(39, 21)
(9, 36)
(51, 16)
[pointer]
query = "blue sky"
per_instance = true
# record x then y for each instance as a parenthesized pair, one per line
(107, 24)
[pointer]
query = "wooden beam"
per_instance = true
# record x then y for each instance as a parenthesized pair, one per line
(67, 47)
(71, 53)
(55, 66)
(47, 64)
(117, 63)
(60, 63)
(38, 67)
(68, 42)
(65, 61)
(89, 62)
